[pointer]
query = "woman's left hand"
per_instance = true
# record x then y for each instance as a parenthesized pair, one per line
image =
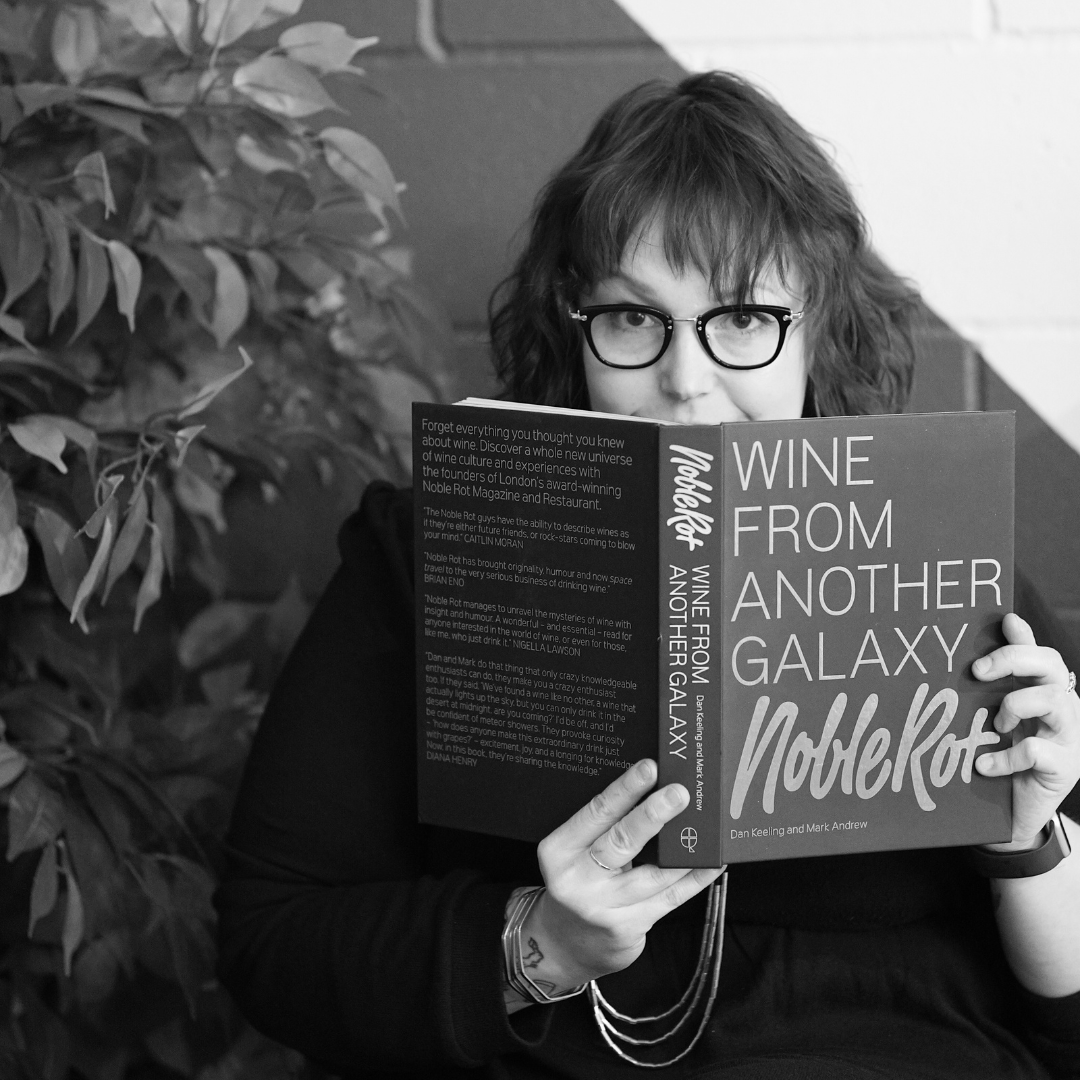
(1044, 719)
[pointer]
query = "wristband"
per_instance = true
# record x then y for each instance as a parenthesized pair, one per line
(1020, 864)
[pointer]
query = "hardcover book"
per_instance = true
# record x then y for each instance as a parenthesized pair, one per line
(782, 613)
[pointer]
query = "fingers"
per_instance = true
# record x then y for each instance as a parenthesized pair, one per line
(1029, 753)
(1050, 702)
(1021, 656)
(627, 836)
(1016, 630)
(676, 892)
(613, 803)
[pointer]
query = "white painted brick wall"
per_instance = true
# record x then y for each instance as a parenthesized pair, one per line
(958, 124)
(1037, 16)
(798, 20)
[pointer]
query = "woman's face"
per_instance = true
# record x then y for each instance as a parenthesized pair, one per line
(685, 384)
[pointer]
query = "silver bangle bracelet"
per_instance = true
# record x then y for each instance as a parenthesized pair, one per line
(516, 976)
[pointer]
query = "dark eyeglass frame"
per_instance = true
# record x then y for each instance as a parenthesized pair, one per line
(785, 317)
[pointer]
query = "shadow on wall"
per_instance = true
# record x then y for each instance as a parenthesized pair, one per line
(479, 99)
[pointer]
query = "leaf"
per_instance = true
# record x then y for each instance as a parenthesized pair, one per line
(61, 265)
(92, 281)
(127, 542)
(203, 397)
(95, 973)
(108, 810)
(11, 113)
(224, 685)
(34, 96)
(183, 439)
(262, 161)
(12, 764)
(97, 567)
(41, 436)
(74, 917)
(9, 507)
(169, 1046)
(213, 630)
(199, 498)
(150, 586)
(191, 270)
(118, 96)
(360, 163)
(127, 276)
(43, 892)
(325, 46)
(264, 269)
(14, 554)
(93, 523)
(159, 19)
(230, 296)
(16, 28)
(226, 20)
(14, 329)
(308, 268)
(65, 559)
(161, 510)
(22, 247)
(91, 177)
(119, 119)
(276, 10)
(35, 815)
(283, 86)
(83, 437)
(286, 617)
(75, 41)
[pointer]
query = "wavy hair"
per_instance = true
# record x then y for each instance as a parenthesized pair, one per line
(737, 188)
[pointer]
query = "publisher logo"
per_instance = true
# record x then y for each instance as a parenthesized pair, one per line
(688, 838)
(690, 492)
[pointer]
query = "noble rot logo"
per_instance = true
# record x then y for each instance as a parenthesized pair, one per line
(688, 838)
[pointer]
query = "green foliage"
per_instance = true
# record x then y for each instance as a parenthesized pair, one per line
(200, 291)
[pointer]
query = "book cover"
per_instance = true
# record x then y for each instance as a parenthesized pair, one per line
(782, 613)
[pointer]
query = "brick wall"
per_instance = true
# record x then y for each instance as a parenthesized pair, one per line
(956, 120)
(476, 101)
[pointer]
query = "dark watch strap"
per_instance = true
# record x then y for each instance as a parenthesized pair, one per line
(1016, 864)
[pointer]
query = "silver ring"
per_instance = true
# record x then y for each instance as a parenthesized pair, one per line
(603, 866)
(1070, 686)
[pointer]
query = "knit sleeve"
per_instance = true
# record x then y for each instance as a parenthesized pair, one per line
(334, 937)
(1053, 1026)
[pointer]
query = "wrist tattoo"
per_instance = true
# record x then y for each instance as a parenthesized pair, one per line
(534, 956)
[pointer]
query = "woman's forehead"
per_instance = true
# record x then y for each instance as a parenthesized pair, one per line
(648, 260)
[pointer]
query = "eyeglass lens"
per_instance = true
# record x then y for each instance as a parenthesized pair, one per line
(632, 338)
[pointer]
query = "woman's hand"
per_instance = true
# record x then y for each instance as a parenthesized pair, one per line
(1044, 719)
(592, 921)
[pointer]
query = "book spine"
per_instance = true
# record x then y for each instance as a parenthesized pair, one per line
(689, 520)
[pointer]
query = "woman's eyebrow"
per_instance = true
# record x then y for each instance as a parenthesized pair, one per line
(635, 286)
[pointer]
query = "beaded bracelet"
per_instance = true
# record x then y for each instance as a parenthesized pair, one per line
(516, 975)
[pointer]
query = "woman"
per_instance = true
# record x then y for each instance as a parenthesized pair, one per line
(375, 944)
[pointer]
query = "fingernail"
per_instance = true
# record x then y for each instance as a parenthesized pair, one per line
(673, 795)
(643, 770)
(981, 666)
(985, 764)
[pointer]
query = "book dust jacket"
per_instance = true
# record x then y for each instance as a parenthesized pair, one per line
(783, 614)
(853, 570)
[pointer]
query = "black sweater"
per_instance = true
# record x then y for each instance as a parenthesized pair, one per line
(371, 943)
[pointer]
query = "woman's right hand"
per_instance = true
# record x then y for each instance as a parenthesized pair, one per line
(591, 921)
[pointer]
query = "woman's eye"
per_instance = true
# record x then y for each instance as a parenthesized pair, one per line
(742, 322)
(635, 320)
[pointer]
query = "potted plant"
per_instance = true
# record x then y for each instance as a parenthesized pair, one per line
(202, 302)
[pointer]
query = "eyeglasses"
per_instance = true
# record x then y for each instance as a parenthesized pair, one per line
(742, 336)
